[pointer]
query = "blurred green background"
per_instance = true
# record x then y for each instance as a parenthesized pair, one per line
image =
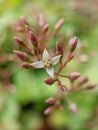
(23, 92)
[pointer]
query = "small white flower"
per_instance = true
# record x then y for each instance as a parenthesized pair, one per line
(47, 63)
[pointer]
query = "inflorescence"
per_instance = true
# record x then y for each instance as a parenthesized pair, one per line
(37, 55)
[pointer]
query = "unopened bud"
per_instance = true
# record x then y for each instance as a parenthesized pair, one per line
(63, 88)
(26, 65)
(41, 20)
(22, 55)
(73, 108)
(50, 100)
(19, 41)
(59, 24)
(49, 81)
(33, 39)
(48, 110)
(45, 28)
(24, 20)
(91, 86)
(74, 43)
(19, 29)
(59, 49)
(74, 75)
(83, 80)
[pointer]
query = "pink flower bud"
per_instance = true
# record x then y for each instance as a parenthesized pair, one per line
(41, 20)
(74, 43)
(74, 76)
(19, 41)
(59, 24)
(19, 29)
(26, 65)
(73, 108)
(91, 86)
(63, 88)
(45, 28)
(33, 39)
(24, 20)
(83, 80)
(22, 55)
(50, 100)
(48, 110)
(59, 49)
(49, 81)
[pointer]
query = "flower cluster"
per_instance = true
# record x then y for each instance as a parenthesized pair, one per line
(36, 56)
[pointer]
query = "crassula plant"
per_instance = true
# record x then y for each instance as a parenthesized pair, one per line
(37, 55)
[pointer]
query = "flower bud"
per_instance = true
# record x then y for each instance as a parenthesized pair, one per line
(59, 24)
(49, 81)
(24, 20)
(26, 65)
(41, 20)
(73, 108)
(19, 29)
(48, 110)
(22, 55)
(50, 100)
(33, 39)
(63, 88)
(83, 80)
(74, 43)
(74, 75)
(19, 41)
(45, 28)
(91, 86)
(59, 49)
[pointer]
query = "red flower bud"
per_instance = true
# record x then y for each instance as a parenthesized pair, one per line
(63, 88)
(91, 86)
(50, 100)
(74, 76)
(59, 49)
(49, 81)
(26, 65)
(33, 39)
(22, 55)
(48, 110)
(73, 45)
(83, 80)
(19, 41)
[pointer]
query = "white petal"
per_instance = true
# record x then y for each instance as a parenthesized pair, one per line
(50, 71)
(55, 59)
(38, 64)
(46, 55)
